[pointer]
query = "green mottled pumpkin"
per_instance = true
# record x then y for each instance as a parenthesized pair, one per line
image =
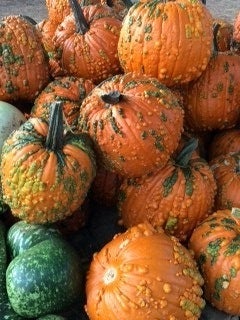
(46, 172)
(135, 122)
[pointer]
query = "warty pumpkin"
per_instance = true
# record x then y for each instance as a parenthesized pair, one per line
(87, 40)
(226, 170)
(135, 122)
(70, 91)
(24, 68)
(143, 274)
(177, 197)
(46, 172)
(216, 244)
(169, 40)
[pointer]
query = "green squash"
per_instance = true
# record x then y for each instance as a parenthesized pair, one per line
(7, 312)
(51, 317)
(47, 278)
(3, 262)
(22, 236)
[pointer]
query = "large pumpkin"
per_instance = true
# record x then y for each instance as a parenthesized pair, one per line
(135, 122)
(87, 40)
(169, 40)
(177, 197)
(143, 274)
(24, 68)
(45, 172)
(216, 244)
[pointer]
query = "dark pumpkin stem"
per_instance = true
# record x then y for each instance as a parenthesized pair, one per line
(110, 3)
(112, 97)
(204, 1)
(81, 23)
(54, 139)
(216, 27)
(185, 155)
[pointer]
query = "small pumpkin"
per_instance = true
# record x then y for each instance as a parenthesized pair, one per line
(177, 197)
(226, 170)
(70, 91)
(236, 27)
(169, 40)
(87, 40)
(24, 68)
(224, 36)
(46, 172)
(134, 121)
(215, 243)
(143, 274)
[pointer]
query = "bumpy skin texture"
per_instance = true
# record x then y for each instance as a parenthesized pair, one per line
(70, 90)
(143, 274)
(212, 102)
(236, 28)
(41, 185)
(93, 54)
(226, 172)
(215, 244)
(44, 279)
(176, 198)
(169, 40)
(24, 68)
(140, 132)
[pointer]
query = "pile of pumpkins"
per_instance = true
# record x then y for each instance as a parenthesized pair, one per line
(136, 108)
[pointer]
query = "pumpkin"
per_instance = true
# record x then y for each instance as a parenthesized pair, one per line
(212, 101)
(143, 274)
(45, 172)
(224, 36)
(215, 243)
(236, 28)
(24, 68)
(169, 40)
(87, 40)
(226, 170)
(70, 91)
(134, 121)
(224, 142)
(177, 197)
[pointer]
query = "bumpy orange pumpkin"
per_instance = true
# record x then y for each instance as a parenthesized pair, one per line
(87, 40)
(236, 28)
(70, 91)
(169, 40)
(224, 142)
(46, 172)
(24, 68)
(135, 122)
(177, 197)
(216, 244)
(143, 274)
(226, 169)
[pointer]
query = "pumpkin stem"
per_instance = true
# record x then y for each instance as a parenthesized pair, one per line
(216, 27)
(54, 140)
(81, 23)
(184, 156)
(113, 97)
(204, 1)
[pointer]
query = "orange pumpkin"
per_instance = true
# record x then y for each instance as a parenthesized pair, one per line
(177, 197)
(224, 34)
(87, 40)
(45, 171)
(135, 123)
(216, 244)
(236, 28)
(169, 40)
(24, 68)
(226, 170)
(143, 274)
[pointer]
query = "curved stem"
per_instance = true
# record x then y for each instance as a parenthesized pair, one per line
(81, 23)
(184, 156)
(113, 97)
(54, 140)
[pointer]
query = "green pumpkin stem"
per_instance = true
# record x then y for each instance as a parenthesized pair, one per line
(112, 97)
(81, 23)
(185, 155)
(54, 140)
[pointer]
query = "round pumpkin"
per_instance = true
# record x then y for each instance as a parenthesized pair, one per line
(46, 172)
(177, 197)
(135, 123)
(169, 40)
(215, 243)
(143, 274)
